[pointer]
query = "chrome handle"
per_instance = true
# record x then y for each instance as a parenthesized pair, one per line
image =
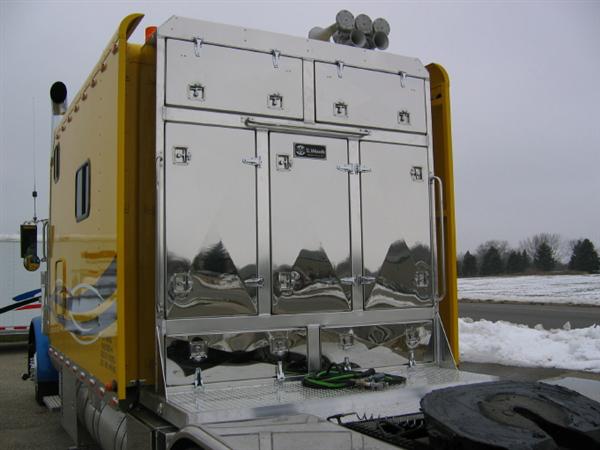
(441, 294)
(365, 279)
(359, 280)
(256, 282)
(348, 281)
(300, 129)
(44, 240)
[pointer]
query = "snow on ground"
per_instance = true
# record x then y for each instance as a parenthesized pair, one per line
(518, 345)
(567, 289)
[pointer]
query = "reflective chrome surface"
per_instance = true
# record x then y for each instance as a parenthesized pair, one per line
(396, 228)
(310, 230)
(297, 432)
(371, 99)
(220, 402)
(236, 356)
(210, 222)
(229, 79)
(376, 345)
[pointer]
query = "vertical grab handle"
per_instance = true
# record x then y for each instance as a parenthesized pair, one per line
(45, 240)
(441, 293)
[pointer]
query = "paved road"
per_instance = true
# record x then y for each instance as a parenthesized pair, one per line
(550, 316)
(24, 425)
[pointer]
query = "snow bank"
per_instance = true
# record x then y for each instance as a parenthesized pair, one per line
(518, 345)
(567, 289)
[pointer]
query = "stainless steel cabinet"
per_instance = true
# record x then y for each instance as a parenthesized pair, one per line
(368, 98)
(210, 214)
(396, 226)
(310, 230)
(232, 80)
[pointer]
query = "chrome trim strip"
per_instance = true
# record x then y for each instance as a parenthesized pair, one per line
(185, 327)
(303, 129)
(263, 218)
(356, 226)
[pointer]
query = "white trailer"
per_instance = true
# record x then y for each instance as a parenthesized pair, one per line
(16, 283)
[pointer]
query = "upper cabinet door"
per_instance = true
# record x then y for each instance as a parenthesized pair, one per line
(232, 80)
(368, 98)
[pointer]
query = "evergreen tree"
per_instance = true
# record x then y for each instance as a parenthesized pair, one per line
(543, 258)
(514, 263)
(525, 261)
(584, 257)
(492, 262)
(469, 265)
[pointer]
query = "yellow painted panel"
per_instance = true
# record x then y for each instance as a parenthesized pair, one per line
(444, 168)
(82, 322)
(91, 320)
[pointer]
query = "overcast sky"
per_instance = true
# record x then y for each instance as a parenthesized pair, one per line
(524, 83)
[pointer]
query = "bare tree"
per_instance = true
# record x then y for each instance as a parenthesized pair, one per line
(552, 240)
(502, 247)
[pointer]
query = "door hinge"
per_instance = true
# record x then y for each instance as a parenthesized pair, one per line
(255, 161)
(276, 54)
(340, 68)
(197, 45)
(402, 79)
(353, 168)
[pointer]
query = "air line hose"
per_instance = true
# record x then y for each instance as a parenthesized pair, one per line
(337, 377)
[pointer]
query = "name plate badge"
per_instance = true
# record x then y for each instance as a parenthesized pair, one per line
(310, 151)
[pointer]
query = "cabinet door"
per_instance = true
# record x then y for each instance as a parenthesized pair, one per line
(310, 228)
(233, 80)
(396, 226)
(210, 208)
(368, 98)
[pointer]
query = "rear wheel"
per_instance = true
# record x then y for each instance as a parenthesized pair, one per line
(42, 388)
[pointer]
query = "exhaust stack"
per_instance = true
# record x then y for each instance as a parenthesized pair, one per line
(58, 98)
(359, 32)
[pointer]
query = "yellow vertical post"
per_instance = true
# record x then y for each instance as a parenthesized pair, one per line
(126, 213)
(442, 158)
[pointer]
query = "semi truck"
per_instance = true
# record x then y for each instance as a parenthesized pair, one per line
(250, 242)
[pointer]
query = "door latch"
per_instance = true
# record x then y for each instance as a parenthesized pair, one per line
(416, 173)
(180, 285)
(275, 101)
(255, 161)
(353, 168)
(181, 156)
(340, 109)
(404, 117)
(196, 92)
(284, 163)
(287, 282)
(359, 280)
(346, 340)
(256, 282)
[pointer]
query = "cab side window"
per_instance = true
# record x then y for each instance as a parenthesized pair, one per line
(82, 192)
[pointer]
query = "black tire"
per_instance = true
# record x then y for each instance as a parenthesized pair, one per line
(42, 388)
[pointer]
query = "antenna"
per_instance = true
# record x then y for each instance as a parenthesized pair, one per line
(34, 193)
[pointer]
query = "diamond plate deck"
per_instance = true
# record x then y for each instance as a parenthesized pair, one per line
(262, 398)
(52, 402)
